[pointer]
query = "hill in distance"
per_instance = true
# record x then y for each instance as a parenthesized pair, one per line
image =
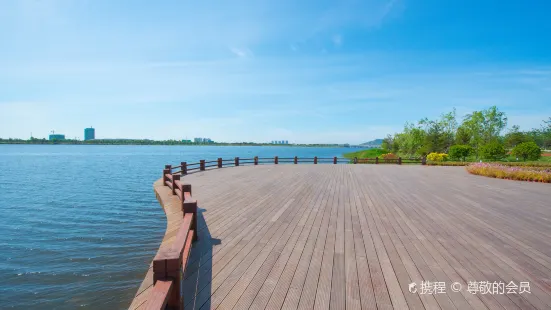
(373, 143)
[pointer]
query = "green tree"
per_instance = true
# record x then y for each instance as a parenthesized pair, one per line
(515, 137)
(410, 140)
(460, 152)
(387, 143)
(494, 123)
(462, 136)
(493, 151)
(484, 127)
(472, 124)
(527, 150)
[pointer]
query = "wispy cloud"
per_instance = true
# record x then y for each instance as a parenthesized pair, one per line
(242, 52)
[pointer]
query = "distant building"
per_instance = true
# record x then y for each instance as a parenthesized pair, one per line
(89, 134)
(56, 136)
(186, 141)
(202, 140)
(280, 142)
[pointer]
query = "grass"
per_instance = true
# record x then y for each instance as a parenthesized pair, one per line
(499, 171)
(369, 153)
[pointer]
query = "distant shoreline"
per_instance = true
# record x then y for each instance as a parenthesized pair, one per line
(165, 143)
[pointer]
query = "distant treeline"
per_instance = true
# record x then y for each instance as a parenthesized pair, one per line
(148, 142)
(479, 131)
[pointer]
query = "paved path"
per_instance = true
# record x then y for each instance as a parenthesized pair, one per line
(356, 237)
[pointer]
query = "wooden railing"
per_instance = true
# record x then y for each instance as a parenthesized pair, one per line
(170, 262)
(202, 165)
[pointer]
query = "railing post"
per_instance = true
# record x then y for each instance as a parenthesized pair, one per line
(165, 172)
(423, 160)
(175, 177)
(256, 160)
(202, 165)
(355, 160)
(399, 160)
(219, 162)
(170, 269)
(276, 160)
(237, 161)
(315, 160)
(190, 206)
(184, 168)
(296, 160)
(335, 160)
(376, 160)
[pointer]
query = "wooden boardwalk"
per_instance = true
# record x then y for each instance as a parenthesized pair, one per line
(356, 237)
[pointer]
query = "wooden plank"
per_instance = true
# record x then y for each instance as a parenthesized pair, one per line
(300, 231)
(308, 294)
(353, 299)
(282, 229)
(323, 292)
(260, 289)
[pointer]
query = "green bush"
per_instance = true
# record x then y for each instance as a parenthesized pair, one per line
(460, 152)
(527, 150)
(493, 151)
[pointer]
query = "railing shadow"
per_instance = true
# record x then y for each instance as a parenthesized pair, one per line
(198, 273)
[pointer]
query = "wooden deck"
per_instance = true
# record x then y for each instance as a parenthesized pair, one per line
(356, 236)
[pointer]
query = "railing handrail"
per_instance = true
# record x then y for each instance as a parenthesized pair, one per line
(234, 162)
(171, 260)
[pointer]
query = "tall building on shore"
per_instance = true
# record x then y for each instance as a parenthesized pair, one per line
(89, 134)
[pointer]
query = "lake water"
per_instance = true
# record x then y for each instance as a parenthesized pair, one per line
(79, 224)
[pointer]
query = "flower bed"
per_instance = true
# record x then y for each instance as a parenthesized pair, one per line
(545, 165)
(493, 170)
(447, 163)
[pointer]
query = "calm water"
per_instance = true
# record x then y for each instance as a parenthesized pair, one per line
(80, 224)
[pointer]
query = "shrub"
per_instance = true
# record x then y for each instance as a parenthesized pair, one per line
(493, 151)
(460, 152)
(527, 150)
(437, 157)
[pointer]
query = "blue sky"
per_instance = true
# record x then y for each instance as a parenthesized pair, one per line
(303, 71)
